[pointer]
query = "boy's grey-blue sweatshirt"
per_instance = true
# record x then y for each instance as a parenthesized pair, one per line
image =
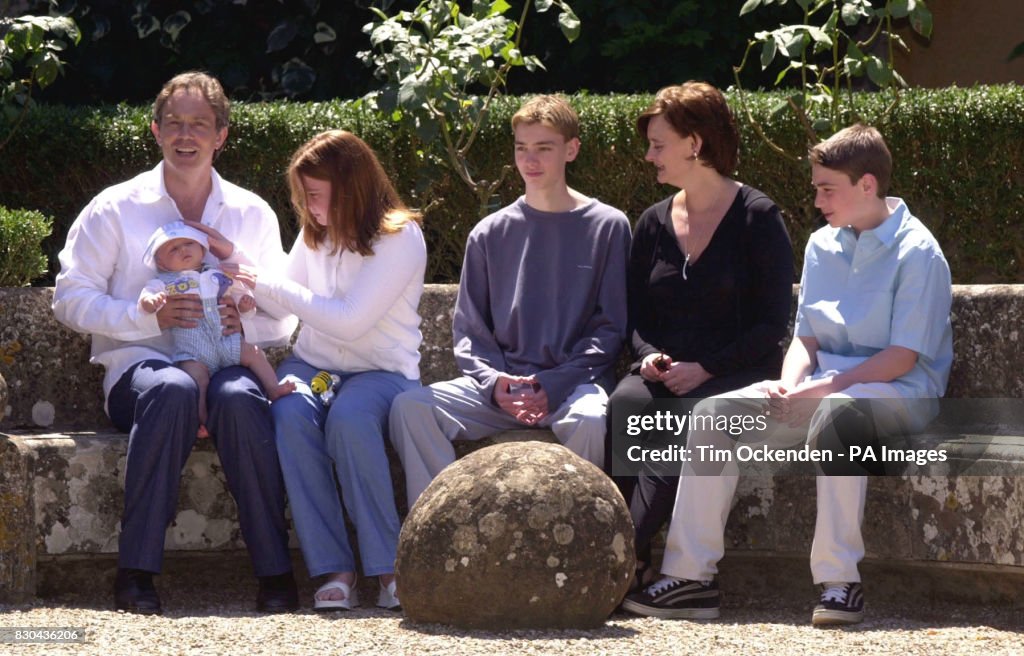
(543, 293)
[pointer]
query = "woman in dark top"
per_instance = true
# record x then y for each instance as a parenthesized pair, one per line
(709, 288)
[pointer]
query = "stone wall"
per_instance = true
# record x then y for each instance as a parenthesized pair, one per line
(52, 385)
(61, 465)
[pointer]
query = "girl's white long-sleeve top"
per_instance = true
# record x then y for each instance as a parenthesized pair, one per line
(358, 313)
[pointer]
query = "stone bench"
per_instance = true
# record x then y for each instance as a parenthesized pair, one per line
(62, 465)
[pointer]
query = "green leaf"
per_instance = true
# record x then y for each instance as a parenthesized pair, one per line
(412, 91)
(822, 41)
(822, 125)
(296, 77)
(793, 44)
(899, 8)
(830, 24)
(749, 6)
(782, 74)
(282, 34)
(498, 7)
(324, 33)
(532, 63)
(512, 54)
(145, 24)
(47, 72)
(387, 100)
(853, 62)
(383, 32)
(175, 23)
(569, 24)
(851, 13)
(34, 36)
(921, 20)
(543, 5)
(768, 51)
(878, 72)
(1018, 51)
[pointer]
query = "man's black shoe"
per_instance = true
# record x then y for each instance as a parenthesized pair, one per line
(134, 592)
(277, 594)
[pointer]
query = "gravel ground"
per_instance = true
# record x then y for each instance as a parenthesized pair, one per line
(221, 621)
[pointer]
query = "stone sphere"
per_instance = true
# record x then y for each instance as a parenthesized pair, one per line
(520, 535)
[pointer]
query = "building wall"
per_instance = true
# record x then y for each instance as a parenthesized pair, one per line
(970, 43)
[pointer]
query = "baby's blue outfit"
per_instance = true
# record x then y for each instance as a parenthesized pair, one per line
(205, 342)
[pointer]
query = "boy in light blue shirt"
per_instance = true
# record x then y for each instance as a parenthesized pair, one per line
(871, 355)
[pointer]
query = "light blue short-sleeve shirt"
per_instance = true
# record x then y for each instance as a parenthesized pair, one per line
(888, 286)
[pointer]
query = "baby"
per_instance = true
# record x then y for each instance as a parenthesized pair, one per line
(176, 251)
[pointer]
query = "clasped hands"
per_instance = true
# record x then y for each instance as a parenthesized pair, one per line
(679, 377)
(792, 405)
(521, 397)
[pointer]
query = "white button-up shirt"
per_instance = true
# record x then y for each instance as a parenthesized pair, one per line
(102, 269)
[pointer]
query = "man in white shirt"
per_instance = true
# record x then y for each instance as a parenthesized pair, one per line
(156, 403)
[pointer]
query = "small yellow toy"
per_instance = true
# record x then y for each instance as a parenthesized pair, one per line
(324, 384)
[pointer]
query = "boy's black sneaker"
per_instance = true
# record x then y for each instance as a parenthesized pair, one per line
(843, 604)
(676, 599)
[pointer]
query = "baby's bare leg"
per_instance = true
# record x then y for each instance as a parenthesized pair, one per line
(254, 358)
(201, 374)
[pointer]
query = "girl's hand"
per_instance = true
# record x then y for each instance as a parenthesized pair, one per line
(243, 274)
(220, 246)
(246, 304)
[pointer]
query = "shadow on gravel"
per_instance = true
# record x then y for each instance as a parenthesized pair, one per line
(610, 631)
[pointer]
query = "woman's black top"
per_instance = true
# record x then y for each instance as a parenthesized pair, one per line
(731, 312)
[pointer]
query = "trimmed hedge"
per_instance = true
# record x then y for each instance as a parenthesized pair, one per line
(21, 260)
(958, 161)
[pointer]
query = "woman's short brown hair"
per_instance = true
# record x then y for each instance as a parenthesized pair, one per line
(363, 203)
(697, 108)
